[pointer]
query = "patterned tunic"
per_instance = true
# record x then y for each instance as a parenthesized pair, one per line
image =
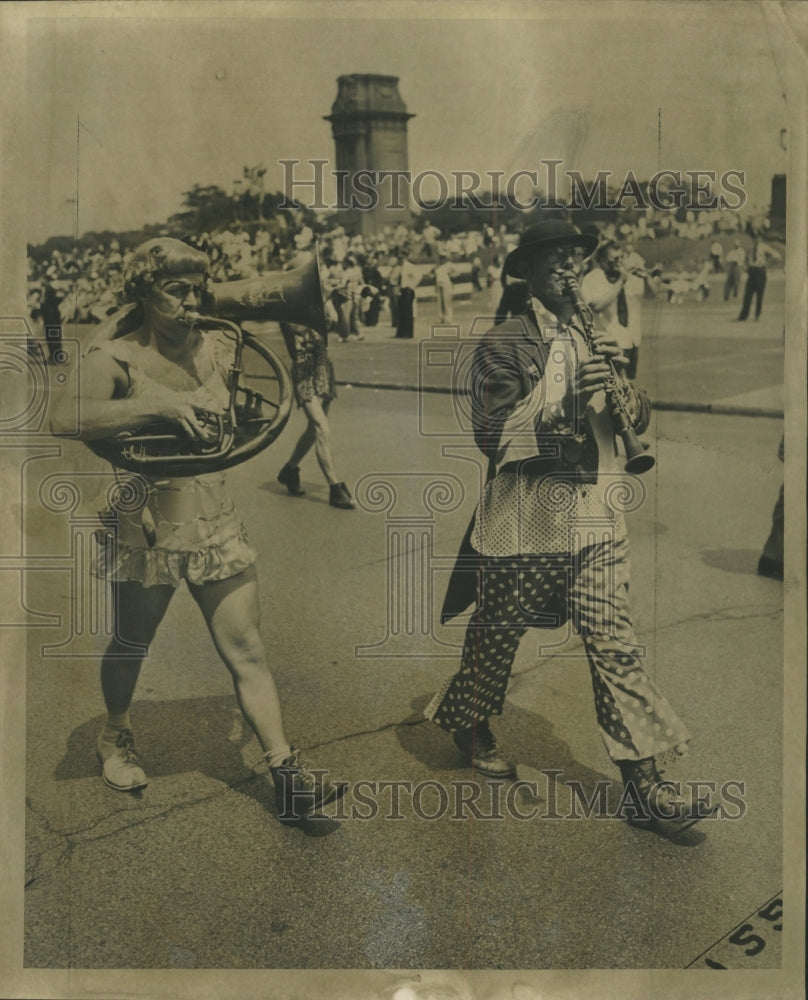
(312, 371)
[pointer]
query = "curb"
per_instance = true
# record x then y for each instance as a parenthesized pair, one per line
(719, 409)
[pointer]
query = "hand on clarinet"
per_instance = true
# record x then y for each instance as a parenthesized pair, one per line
(596, 371)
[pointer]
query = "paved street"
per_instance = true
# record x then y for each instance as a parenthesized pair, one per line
(692, 354)
(196, 873)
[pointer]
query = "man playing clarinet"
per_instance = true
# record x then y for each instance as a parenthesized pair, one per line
(548, 543)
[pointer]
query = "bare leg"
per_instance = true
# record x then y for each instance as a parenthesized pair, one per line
(317, 412)
(138, 612)
(230, 608)
(317, 433)
(303, 446)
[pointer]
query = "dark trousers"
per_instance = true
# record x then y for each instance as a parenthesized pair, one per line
(406, 320)
(372, 315)
(346, 315)
(755, 286)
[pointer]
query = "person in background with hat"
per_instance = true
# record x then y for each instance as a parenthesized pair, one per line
(531, 557)
(155, 363)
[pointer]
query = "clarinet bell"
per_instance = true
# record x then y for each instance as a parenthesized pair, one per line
(638, 460)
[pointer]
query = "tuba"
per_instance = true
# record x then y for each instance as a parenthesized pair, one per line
(294, 296)
(259, 387)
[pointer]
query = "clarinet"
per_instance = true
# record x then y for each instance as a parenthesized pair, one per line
(637, 458)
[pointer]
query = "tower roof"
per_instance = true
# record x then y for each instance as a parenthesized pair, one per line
(361, 94)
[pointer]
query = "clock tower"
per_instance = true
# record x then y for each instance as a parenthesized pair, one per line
(369, 125)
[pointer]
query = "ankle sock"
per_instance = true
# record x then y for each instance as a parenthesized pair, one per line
(276, 757)
(113, 725)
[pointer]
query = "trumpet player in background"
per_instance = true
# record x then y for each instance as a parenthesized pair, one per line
(169, 369)
(613, 289)
(542, 413)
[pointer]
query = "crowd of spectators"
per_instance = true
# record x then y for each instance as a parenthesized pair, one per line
(87, 283)
(361, 273)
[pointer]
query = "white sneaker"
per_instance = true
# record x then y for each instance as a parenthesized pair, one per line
(121, 764)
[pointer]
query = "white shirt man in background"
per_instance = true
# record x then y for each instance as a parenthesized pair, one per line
(614, 294)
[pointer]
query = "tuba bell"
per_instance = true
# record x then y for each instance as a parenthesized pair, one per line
(259, 384)
(294, 296)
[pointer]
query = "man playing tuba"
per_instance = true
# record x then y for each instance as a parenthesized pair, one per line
(169, 369)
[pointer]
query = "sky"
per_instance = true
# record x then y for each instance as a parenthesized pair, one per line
(179, 98)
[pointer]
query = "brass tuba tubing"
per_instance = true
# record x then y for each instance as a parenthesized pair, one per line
(251, 421)
(293, 296)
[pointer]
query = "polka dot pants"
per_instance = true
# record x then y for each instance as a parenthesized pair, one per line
(590, 589)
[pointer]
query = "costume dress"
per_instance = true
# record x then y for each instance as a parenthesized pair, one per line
(165, 530)
(312, 371)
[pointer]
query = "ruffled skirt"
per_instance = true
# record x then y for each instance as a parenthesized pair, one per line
(187, 529)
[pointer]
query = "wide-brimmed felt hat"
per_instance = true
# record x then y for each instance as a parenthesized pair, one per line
(550, 233)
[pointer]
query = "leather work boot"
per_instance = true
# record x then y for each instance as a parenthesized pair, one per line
(121, 765)
(340, 497)
(479, 746)
(290, 477)
(659, 805)
(301, 790)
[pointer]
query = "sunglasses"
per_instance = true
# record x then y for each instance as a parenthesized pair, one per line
(559, 255)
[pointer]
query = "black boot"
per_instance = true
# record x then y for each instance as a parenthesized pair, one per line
(301, 790)
(479, 746)
(290, 477)
(658, 805)
(340, 497)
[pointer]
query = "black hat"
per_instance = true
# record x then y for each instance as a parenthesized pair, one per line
(550, 233)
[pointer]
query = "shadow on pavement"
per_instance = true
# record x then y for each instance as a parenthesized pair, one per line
(173, 737)
(732, 560)
(195, 735)
(316, 492)
(524, 736)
